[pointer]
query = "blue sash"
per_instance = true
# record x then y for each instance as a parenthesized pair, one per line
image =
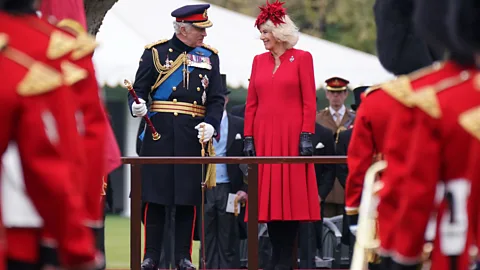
(164, 90)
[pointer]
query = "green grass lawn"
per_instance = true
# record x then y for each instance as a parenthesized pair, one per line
(117, 243)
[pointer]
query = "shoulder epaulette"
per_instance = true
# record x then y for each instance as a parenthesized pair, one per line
(372, 89)
(425, 71)
(400, 89)
(72, 73)
(60, 44)
(470, 121)
(3, 41)
(39, 79)
(426, 98)
(85, 44)
(153, 44)
(215, 51)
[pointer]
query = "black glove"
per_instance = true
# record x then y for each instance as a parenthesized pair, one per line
(248, 147)
(306, 146)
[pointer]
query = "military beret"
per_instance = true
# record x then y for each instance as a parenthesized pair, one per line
(336, 84)
(194, 14)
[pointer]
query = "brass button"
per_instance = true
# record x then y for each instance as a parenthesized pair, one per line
(200, 75)
(193, 115)
(194, 103)
(198, 89)
(175, 113)
(170, 50)
(174, 100)
(174, 88)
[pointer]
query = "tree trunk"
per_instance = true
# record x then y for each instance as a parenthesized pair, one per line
(96, 10)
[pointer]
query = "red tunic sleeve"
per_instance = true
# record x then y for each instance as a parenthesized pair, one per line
(421, 177)
(307, 87)
(252, 101)
(359, 159)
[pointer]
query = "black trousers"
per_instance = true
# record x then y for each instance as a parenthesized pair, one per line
(307, 245)
(154, 222)
(221, 230)
(282, 236)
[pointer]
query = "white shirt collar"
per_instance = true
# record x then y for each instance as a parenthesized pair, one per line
(341, 111)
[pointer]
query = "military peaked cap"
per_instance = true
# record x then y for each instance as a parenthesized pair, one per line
(194, 14)
(336, 84)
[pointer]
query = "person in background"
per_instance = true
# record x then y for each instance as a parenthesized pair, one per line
(221, 227)
(282, 87)
(238, 110)
(335, 117)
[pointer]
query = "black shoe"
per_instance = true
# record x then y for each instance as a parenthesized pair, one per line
(148, 264)
(185, 264)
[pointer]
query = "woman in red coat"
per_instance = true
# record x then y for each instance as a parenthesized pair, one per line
(279, 121)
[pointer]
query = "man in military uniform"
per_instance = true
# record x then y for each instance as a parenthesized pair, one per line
(37, 102)
(336, 117)
(181, 75)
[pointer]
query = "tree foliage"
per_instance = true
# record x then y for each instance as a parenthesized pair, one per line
(346, 22)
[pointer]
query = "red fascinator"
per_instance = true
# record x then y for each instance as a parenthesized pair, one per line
(274, 12)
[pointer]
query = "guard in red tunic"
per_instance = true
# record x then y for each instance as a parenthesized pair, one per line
(473, 175)
(435, 156)
(279, 121)
(70, 16)
(37, 125)
(62, 56)
(401, 52)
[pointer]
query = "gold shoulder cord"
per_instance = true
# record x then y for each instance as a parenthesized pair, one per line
(165, 74)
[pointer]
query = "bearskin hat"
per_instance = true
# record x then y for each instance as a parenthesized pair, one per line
(400, 50)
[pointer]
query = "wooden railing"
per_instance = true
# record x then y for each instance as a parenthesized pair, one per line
(252, 231)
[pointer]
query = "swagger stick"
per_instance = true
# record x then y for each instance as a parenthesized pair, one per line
(204, 184)
(155, 134)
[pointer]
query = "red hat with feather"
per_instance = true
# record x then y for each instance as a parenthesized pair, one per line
(66, 13)
(274, 12)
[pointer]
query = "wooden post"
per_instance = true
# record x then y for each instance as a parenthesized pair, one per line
(252, 217)
(135, 216)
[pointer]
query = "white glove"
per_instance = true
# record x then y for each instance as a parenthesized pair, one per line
(139, 110)
(206, 130)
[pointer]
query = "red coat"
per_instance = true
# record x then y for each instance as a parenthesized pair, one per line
(437, 153)
(38, 120)
(367, 142)
(396, 147)
(91, 119)
(279, 107)
(474, 176)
